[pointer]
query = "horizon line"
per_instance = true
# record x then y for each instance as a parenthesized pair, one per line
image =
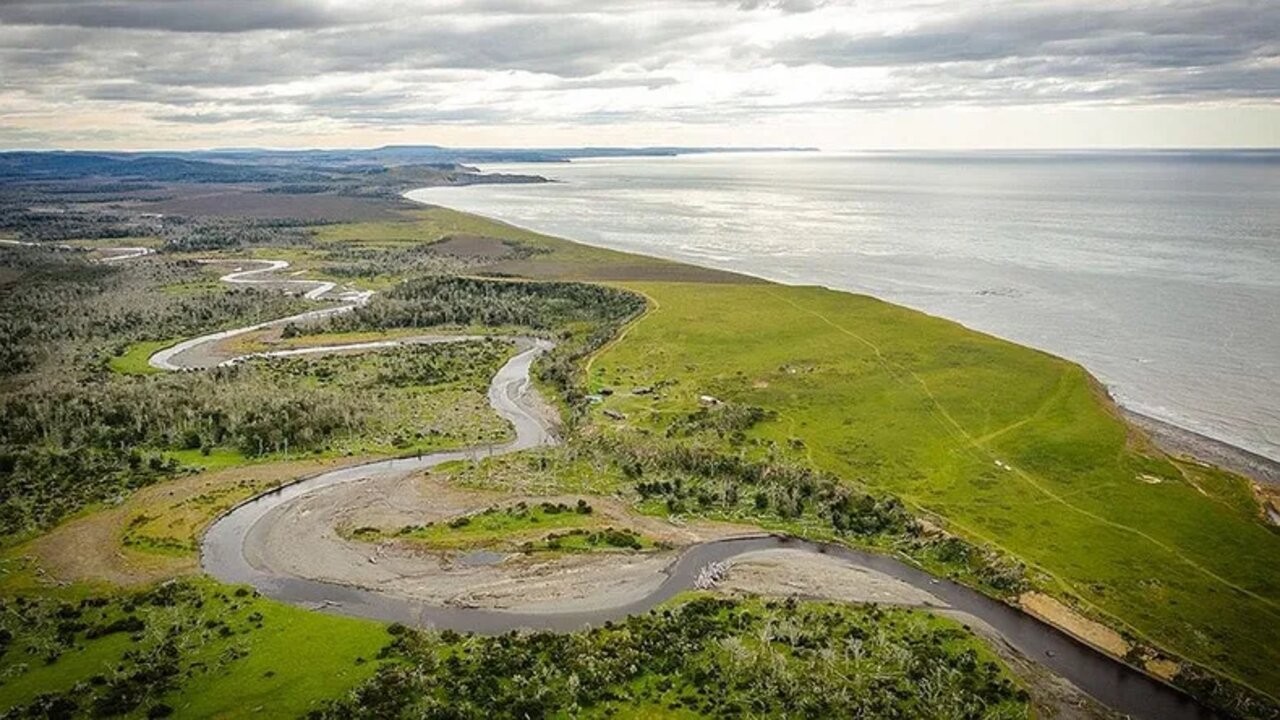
(674, 148)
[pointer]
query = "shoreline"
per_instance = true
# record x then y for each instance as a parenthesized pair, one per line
(1181, 442)
(1168, 436)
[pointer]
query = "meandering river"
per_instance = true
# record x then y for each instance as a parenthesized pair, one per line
(511, 394)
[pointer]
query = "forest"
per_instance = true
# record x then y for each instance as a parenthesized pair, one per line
(580, 317)
(72, 432)
(64, 445)
(61, 314)
(461, 301)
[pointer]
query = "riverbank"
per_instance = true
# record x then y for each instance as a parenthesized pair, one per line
(285, 542)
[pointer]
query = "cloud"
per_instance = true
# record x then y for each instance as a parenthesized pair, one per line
(1107, 37)
(204, 16)
(292, 65)
(786, 6)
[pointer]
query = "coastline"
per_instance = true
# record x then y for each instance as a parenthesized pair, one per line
(1179, 441)
(1168, 436)
(1175, 325)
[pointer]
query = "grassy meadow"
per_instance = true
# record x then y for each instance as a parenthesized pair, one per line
(522, 527)
(193, 648)
(136, 359)
(1007, 446)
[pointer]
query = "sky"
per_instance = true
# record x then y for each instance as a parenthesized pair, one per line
(861, 74)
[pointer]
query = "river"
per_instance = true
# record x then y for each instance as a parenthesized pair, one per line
(226, 546)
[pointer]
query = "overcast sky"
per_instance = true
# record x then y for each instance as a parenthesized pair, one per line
(859, 74)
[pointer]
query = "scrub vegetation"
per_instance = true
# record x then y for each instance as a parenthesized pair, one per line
(580, 317)
(61, 314)
(65, 445)
(174, 649)
(522, 527)
(177, 648)
(704, 657)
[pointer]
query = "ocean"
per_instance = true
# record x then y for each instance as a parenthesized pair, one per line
(1158, 271)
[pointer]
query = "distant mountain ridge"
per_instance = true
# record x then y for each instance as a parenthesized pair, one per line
(432, 154)
(296, 166)
(73, 165)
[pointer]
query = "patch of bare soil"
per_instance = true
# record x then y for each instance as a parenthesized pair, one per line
(1268, 497)
(472, 247)
(1162, 668)
(91, 548)
(1056, 613)
(247, 201)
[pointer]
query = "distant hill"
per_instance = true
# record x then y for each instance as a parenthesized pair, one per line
(78, 165)
(435, 154)
(101, 161)
(297, 166)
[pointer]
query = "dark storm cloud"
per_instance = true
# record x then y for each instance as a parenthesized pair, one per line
(208, 16)
(1170, 35)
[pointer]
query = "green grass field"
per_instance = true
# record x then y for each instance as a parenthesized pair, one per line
(556, 258)
(134, 361)
(1012, 447)
(237, 654)
(271, 680)
(1008, 446)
